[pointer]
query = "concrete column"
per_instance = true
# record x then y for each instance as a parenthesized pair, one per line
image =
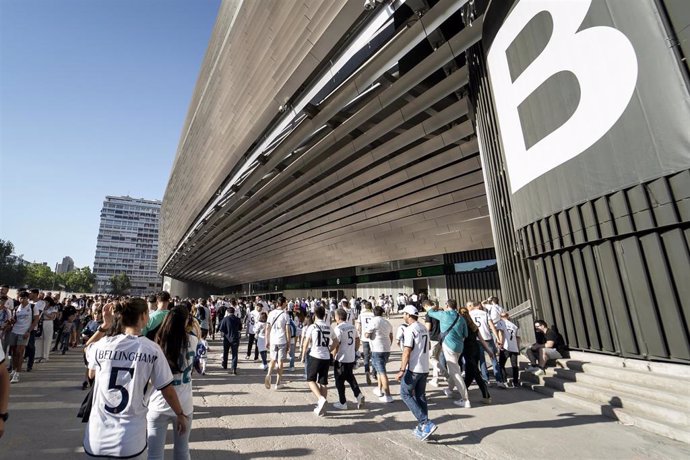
(185, 289)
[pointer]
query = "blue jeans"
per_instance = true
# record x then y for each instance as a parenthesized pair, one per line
(413, 394)
(379, 361)
(157, 429)
(494, 362)
(366, 352)
(293, 346)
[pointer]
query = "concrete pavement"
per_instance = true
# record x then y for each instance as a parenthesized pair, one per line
(236, 417)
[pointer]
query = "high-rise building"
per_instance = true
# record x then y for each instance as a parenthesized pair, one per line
(128, 242)
(66, 266)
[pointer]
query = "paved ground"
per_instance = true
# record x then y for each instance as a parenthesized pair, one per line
(236, 417)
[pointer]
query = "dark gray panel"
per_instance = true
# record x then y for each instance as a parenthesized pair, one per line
(564, 294)
(678, 260)
(604, 315)
(587, 304)
(643, 308)
(666, 300)
(577, 317)
(616, 300)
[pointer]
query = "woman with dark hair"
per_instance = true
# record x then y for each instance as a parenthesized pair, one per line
(122, 366)
(471, 355)
(179, 348)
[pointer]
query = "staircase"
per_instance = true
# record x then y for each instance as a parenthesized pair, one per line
(654, 397)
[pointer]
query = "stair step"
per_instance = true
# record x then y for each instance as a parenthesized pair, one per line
(671, 370)
(644, 379)
(664, 428)
(679, 398)
(603, 396)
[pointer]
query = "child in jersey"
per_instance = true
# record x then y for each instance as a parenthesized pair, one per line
(180, 349)
(122, 366)
(345, 342)
(260, 331)
(511, 348)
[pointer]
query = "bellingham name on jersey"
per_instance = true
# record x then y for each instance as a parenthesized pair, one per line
(115, 355)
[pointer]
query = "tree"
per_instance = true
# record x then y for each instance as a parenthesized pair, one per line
(12, 272)
(79, 280)
(120, 284)
(39, 276)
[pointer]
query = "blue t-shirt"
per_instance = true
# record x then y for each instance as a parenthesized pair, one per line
(455, 339)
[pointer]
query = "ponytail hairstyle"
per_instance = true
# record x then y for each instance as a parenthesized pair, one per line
(172, 337)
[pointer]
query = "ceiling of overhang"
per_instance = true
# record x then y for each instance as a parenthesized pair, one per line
(386, 167)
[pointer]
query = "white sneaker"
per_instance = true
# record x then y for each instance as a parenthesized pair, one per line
(15, 377)
(262, 367)
(360, 401)
(386, 399)
(433, 383)
(340, 406)
(278, 386)
(461, 403)
(448, 393)
(377, 392)
(539, 372)
(501, 385)
(320, 407)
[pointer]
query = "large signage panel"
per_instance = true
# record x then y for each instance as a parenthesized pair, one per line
(589, 99)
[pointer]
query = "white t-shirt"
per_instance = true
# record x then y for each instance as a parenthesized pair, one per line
(277, 320)
(182, 382)
(494, 311)
(364, 319)
(481, 319)
(417, 337)
(381, 330)
(320, 335)
(23, 316)
(399, 334)
(252, 321)
(124, 365)
(510, 335)
(39, 306)
(346, 335)
(351, 315)
(2, 355)
(260, 331)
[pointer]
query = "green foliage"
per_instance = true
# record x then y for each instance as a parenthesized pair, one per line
(79, 280)
(120, 284)
(39, 276)
(11, 272)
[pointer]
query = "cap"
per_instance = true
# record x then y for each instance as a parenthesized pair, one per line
(410, 310)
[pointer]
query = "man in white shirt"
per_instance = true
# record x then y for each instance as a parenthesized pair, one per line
(318, 341)
(414, 370)
(487, 329)
(493, 309)
(252, 320)
(380, 335)
(345, 343)
(36, 298)
(277, 341)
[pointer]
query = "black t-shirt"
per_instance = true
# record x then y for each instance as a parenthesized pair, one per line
(435, 332)
(470, 343)
(559, 343)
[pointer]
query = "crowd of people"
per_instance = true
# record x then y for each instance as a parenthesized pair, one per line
(140, 354)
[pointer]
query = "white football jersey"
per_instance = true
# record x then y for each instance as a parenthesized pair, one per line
(494, 311)
(416, 336)
(346, 334)
(320, 335)
(124, 364)
(364, 319)
(481, 319)
(510, 336)
(351, 316)
(182, 382)
(252, 320)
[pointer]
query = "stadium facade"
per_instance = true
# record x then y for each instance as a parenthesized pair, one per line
(444, 146)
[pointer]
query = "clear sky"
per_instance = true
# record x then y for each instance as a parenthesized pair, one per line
(93, 95)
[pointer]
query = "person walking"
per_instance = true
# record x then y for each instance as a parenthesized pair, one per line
(474, 345)
(277, 342)
(179, 347)
(380, 334)
(362, 325)
(122, 367)
(452, 340)
(318, 342)
(414, 370)
(230, 327)
(345, 342)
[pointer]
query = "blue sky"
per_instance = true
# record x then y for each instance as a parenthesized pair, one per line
(93, 95)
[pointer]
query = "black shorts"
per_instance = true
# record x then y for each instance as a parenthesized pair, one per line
(317, 371)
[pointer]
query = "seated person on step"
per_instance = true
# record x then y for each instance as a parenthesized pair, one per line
(552, 347)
